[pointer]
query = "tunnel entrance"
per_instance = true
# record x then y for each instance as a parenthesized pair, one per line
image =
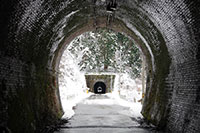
(99, 88)
(166, 31)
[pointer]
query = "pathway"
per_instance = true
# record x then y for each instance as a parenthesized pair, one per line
(101, 118)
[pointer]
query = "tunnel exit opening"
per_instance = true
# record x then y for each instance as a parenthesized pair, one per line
(100, 88)
(150, 56)
(98, 53)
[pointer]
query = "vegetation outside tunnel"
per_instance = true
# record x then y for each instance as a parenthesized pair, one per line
(119, 26)
(104, 50)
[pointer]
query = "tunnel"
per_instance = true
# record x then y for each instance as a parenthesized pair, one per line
(99, 88)
(34, 34)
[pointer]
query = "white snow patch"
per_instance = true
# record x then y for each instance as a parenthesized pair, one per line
(114, 99)
(72, 85)
(135, 108)
(68, 104)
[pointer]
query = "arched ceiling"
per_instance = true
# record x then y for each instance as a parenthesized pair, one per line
(34, 34)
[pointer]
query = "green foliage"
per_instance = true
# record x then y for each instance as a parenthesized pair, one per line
(104, 50)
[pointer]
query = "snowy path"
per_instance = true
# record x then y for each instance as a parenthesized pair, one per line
(92, 117)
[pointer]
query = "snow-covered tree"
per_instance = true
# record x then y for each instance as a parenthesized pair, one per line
(104, 50)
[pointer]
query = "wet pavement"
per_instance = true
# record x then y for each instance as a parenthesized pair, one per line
(102, 118)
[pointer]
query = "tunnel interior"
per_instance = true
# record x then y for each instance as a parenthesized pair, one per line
(35, 33)
(99, 88)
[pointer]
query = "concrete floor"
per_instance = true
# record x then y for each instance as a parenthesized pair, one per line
(98, 118)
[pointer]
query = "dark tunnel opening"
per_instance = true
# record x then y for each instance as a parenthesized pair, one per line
(99, 88)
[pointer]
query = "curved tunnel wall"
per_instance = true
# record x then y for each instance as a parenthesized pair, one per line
(34, 33)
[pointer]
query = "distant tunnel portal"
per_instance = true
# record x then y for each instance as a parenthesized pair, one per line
(99, 88)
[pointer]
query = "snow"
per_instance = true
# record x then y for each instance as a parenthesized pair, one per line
(144, 41)
(114, 99)
(73, 89)
(135, 108)
(72, 85)
(68, 104)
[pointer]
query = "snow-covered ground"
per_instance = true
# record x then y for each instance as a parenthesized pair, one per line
(114, 99)
(104, 113)
(68, 104)
(72, 87)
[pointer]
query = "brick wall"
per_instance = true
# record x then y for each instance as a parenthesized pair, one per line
(33, 31)
(178, 22)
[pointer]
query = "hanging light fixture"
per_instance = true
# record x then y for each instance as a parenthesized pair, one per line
(111, 6)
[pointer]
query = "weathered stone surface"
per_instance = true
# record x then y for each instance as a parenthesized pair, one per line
(34, 34)
(107, 79)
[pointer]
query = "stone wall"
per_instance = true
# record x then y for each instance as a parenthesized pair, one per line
(178, 22)
(34, 33)
(109, 80)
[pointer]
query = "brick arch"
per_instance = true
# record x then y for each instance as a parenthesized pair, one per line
(153, 57)
(34, 33)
